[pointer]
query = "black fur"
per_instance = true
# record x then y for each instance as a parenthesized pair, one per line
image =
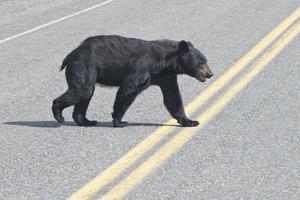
(133, 65)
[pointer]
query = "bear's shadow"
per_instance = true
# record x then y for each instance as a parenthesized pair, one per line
(55, 124)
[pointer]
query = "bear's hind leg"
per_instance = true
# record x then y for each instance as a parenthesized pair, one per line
(79, 114)
(67, 99)
(81, 79)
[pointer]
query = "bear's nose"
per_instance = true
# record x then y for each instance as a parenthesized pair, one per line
(209, 75)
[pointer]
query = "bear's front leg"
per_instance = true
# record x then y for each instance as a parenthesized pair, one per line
(185, 122)
(137, 80)
(173, 101)
(124, 98)
(118, 123)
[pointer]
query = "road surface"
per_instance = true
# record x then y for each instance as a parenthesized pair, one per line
(246, 147)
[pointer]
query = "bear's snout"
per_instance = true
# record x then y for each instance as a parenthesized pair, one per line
(207, 73)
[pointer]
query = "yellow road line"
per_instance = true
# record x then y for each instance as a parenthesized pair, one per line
(121, 189)
(241, 63)
(119, 166)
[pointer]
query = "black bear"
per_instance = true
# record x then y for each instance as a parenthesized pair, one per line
(133, 65)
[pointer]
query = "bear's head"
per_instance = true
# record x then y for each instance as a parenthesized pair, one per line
(192, 62)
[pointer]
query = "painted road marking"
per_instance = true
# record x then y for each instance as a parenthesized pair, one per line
(119, 166)
(157, 159)
(56, 21)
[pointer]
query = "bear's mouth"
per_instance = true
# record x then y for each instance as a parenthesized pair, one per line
(200, 76)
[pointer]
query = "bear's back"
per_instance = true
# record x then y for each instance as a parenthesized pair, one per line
(118, 47)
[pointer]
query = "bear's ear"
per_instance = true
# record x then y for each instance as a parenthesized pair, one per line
(183, 47)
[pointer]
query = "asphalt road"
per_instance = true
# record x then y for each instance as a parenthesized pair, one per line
(250, 150)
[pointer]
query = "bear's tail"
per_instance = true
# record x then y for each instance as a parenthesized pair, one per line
(65, 61)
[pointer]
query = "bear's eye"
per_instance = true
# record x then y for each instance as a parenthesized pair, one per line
(202, 61)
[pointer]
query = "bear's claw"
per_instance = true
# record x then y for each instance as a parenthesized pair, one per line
(81, 120)
(57, 114)
(189, 123)
(120, 124)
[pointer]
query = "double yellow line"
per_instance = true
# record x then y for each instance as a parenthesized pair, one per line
(117, 168)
